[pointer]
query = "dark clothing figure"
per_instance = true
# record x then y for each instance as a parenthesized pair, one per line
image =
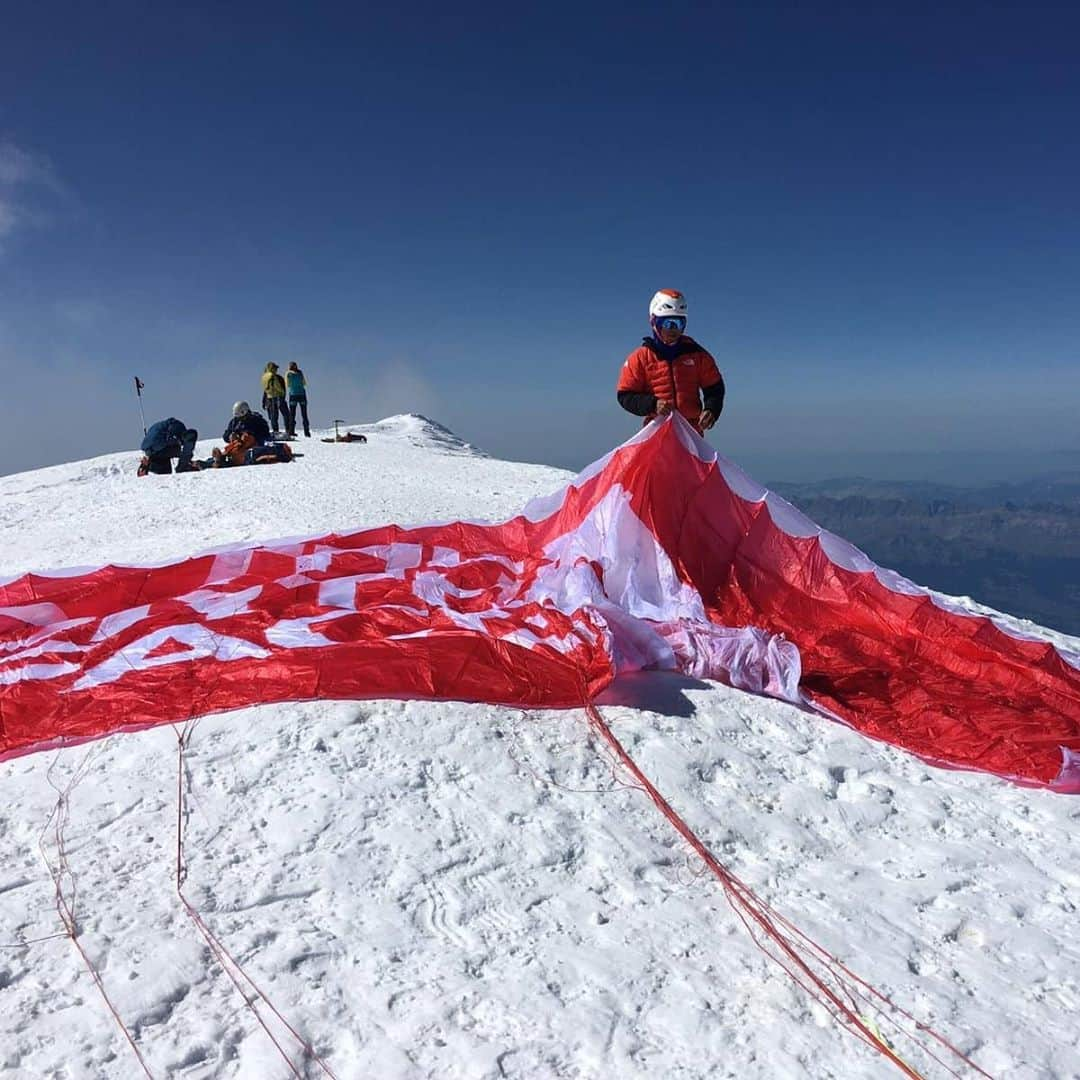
(278, 412)
(274, 397)
(250, 423)
(301, 403)
(165, 440)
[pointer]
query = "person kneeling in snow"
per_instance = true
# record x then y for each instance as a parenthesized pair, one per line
(247, 429)
(165, 440)
(669, 371)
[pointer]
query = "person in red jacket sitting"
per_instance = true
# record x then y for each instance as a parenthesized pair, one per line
(669, 370)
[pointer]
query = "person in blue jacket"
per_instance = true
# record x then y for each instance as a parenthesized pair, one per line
(165, 440)
(297, 387)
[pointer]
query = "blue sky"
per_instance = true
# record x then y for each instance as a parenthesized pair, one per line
(464, 213)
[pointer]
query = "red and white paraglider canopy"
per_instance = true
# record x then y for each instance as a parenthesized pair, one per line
(661, 555)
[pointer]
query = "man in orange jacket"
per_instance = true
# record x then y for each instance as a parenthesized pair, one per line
(669, 370)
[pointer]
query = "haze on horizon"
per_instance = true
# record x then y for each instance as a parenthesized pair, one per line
(873, 215)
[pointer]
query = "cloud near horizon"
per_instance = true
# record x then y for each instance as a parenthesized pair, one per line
(25, 177)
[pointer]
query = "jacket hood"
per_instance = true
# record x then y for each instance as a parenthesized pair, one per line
(681, 347)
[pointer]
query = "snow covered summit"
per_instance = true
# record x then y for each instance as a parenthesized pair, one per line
(420, 431)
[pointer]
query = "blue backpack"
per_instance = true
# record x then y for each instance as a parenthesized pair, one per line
(269, 454)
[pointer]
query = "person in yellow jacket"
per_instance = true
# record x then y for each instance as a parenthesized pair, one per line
(273, 399)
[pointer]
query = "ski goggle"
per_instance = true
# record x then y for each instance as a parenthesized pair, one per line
(669, 323)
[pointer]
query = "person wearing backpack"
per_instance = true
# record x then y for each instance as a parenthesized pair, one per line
(297, 387)
(165, 440)
(273, 399)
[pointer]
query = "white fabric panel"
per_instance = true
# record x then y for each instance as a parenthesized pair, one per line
(846, 554)
(201, 643)
(112, 625)
(36, 671)
(398, 557)
(39, 635)
(34, 614)
(744, 486)
(228, 565)
(53, 645)
(300, 633)
(221, 605)
(794, 522)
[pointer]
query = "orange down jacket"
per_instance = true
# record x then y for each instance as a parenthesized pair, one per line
(679, 380)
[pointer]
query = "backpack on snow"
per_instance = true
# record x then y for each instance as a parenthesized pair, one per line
(269, 454)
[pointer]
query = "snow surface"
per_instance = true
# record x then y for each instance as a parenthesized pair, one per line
(456, 890)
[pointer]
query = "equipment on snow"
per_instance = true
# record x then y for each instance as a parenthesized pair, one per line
(268, 454)
(349, 436)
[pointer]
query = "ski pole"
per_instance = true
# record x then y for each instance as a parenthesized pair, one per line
(139, 384)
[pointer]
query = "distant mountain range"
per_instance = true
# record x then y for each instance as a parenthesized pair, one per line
(1014, 547)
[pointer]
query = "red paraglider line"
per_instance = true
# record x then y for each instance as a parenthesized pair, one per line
(228, 963)
(61, 872)
(65, 907)
(757, 916)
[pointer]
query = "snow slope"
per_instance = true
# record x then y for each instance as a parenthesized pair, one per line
(454, 890)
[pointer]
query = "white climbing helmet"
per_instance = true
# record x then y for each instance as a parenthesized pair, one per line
(241, 408)
(667, 302)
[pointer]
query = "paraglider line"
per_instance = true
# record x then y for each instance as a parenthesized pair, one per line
(252, 993)
(602, 751)
(783, 940)
(65, 905)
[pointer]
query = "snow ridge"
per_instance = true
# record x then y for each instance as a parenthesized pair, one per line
(419, 431)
